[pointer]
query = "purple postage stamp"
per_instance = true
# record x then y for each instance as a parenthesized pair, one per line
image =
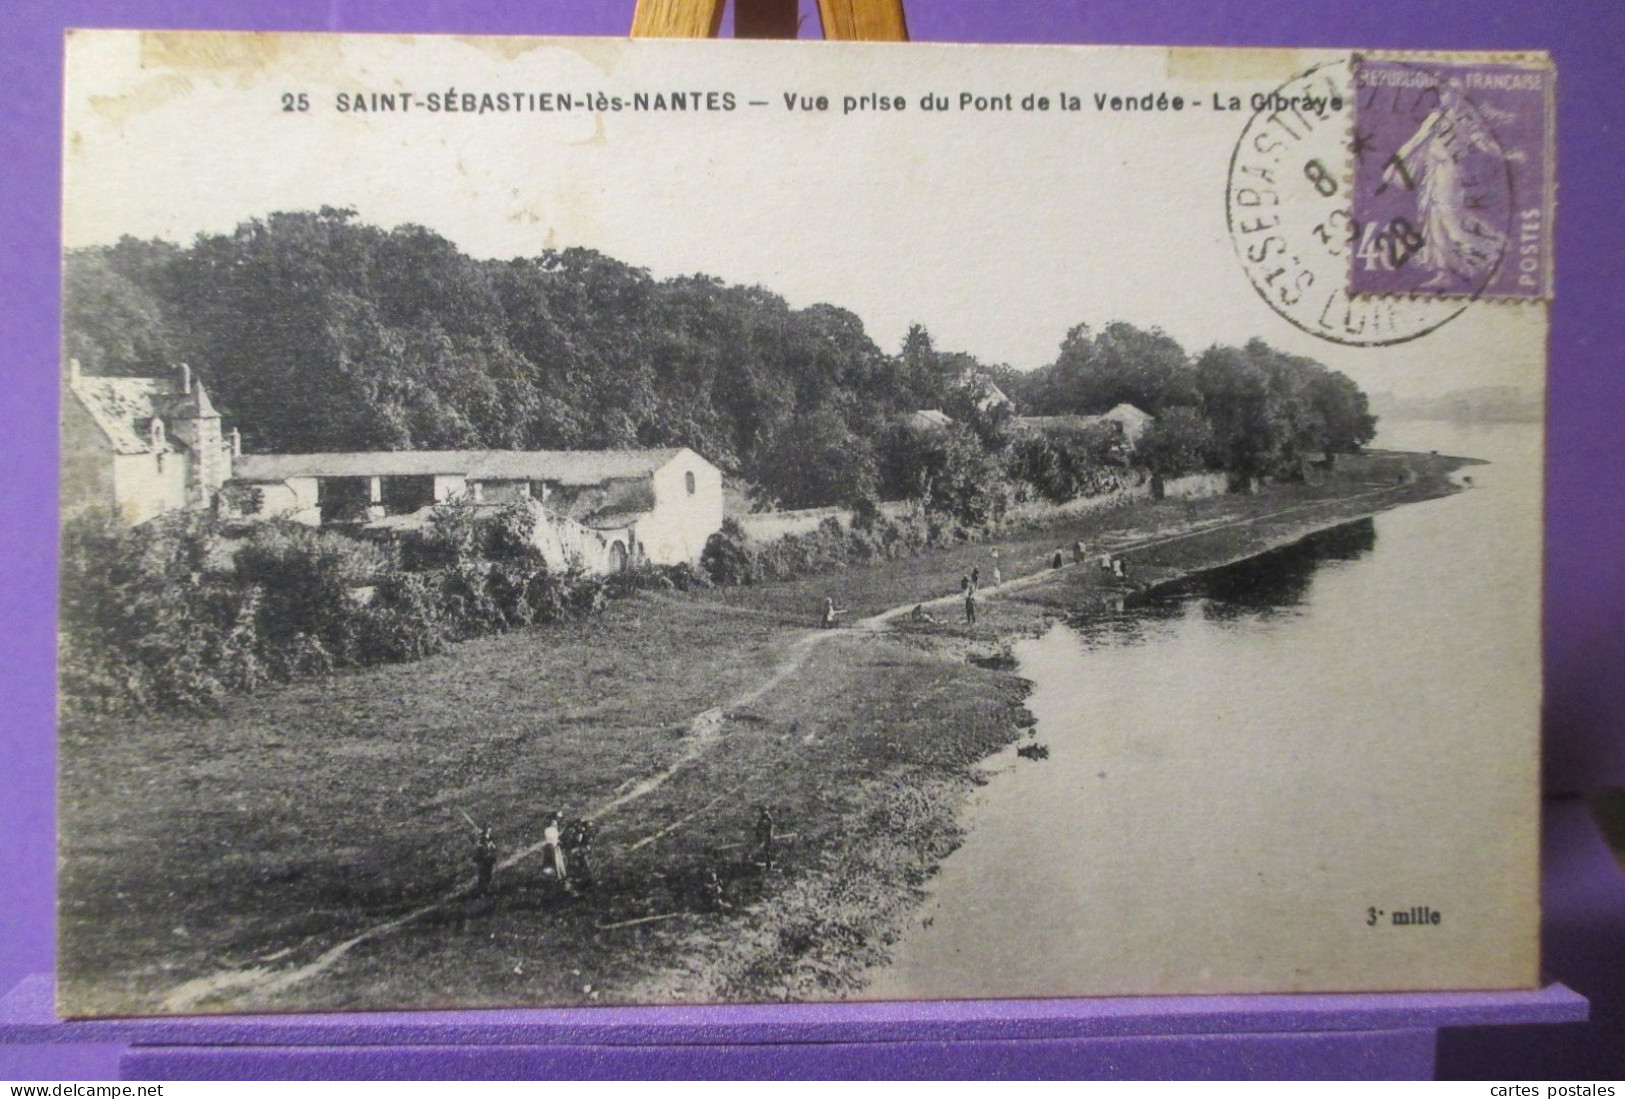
(1452, 188)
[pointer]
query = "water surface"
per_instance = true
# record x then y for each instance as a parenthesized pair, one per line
(1243, 765)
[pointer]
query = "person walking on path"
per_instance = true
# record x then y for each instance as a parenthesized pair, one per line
(970, 607)
(975, 577)
(1078, 552)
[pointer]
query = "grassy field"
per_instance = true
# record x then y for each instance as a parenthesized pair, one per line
(308, 846)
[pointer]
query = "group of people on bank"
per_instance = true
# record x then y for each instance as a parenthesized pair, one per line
(566, 852)
(1113, 567)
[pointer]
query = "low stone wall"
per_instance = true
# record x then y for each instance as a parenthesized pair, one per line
(1194, 486)
(1041, 510)
(767, 526)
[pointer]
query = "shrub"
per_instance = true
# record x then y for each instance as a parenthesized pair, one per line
(305, 579)
(402, 623)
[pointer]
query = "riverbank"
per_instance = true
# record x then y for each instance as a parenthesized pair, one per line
(306, 848)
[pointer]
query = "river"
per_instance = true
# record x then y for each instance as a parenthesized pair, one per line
(1243, 766)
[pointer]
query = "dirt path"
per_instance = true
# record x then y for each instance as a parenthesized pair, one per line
(705, 732)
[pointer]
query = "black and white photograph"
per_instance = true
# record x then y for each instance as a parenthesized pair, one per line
(587, 522)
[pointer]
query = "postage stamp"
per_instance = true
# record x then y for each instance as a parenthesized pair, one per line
(1452, 178)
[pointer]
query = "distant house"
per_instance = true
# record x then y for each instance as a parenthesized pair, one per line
(141, 446)
(605, 510)
(927, 420)
(1123, 418)
(987, 395)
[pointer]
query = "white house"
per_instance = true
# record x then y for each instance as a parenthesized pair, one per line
(602, 509)
(141, 446)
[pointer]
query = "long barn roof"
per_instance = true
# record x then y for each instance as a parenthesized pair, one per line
(566, 467)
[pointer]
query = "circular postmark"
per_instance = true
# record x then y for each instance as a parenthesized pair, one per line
(1294, 206)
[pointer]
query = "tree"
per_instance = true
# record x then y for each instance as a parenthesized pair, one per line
(110, 323)
(1345, 412)
(820, 461)
(1235, 400)
(1179, 441)
(1121, 364)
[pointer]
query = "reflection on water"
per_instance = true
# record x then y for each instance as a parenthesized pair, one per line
(1258, 589)
(1238, 750)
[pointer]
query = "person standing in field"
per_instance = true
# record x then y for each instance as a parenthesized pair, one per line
(998, 577)
(485, 861)
(577, 841)
(1078, 551)
(970, 606)
(766, 835)
(830, 612)
(715, 899)
(1059, 559)
(553, 848)
(975, 577)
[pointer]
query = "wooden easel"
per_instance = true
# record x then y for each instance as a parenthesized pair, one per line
(850, 20)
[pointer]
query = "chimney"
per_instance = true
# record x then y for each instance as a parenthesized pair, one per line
(236, 443)
(73, 372)
(186, 378)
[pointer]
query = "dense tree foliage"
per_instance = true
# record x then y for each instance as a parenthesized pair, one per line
(315, 331)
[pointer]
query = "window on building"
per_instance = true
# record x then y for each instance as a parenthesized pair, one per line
(688, 480)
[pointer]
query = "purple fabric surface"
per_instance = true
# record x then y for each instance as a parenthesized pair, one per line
(1585, 593)
(25, 1016)
(1375, 1055)
(1584, 943)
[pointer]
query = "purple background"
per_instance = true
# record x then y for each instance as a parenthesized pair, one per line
(1585, 564)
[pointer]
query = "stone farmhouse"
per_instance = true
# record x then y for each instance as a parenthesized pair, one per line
(141, 446)
(145, 446)
(604, 510)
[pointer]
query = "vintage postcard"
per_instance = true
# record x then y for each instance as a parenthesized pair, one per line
(564, 522)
